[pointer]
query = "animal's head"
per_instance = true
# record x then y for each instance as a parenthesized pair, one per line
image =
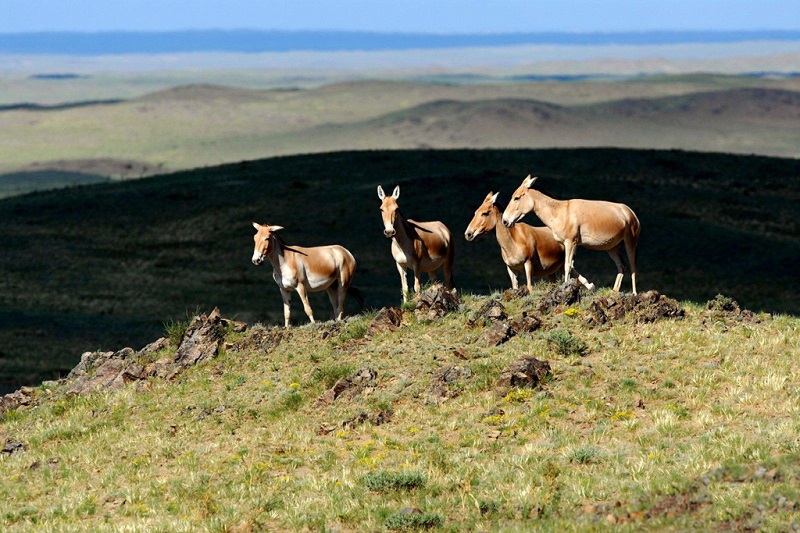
(484, 219)
(264, 241)
(521, 203)
(389, 210)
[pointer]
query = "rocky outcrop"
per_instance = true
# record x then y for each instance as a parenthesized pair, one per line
(498, 334)
(645, 307)
(435, 302)
(490, 312)
(525, 372)
(723, 307)
(24, 396)
(113, 370)
(561, 295)
(387, 319)
(348, 386)
(447, 383)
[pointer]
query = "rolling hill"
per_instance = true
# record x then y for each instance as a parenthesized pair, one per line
(107, 265)
(191, 126)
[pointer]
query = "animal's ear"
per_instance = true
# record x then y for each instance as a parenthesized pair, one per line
(494, 197)
(275, 228)
(381, 194)
(257, 226)
(396, 193)
(528, 183)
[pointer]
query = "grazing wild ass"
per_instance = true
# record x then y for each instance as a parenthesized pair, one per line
(522, 246)
(420, 246)
(304, 270)
(593, 224)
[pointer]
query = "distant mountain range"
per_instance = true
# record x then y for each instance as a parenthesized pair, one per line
(253, 41)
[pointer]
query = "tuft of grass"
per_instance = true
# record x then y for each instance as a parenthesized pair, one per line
(584, 455)
(175, 330)
(355, 329)
(388, 480)
(413, 521)
(566, 343)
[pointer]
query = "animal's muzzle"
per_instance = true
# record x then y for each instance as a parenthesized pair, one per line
(389, 232)
(469, 235)
(258, 260)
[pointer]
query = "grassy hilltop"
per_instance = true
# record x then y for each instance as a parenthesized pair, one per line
(105, 266)
(685, 424)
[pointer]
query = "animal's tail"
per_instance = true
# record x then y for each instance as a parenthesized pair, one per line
(357, 294)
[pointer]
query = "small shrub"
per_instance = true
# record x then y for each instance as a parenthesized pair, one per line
(329, 374)
(175, 330)
(566, 343)
(628, 383)
(410, 305)
(413, 521)
(585, 455)
(488, 507)
(354, 330)
(384, 480)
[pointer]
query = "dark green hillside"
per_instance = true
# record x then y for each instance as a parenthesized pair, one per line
(107, 265)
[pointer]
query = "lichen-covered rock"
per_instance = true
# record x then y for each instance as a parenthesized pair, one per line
(491, 311)
(435, 302)
(348, 386)
(19, 398)
(499, 333)
(387, 319)
(525, 372)
(645, 307)
(447, 383)
(561, 295)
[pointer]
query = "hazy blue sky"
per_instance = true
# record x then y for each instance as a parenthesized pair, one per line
(400, 15)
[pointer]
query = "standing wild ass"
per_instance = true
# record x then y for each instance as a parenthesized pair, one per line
(328, 268)
(522, 246)
(420, 246)
(593, 224)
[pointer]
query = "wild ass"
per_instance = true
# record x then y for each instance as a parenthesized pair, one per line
(522, 246)
(420, 246)
(593, 224)
(304, 270)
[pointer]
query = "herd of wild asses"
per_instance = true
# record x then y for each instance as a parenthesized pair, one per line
(428, 246)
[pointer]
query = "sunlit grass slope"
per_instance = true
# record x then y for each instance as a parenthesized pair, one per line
(674, 425)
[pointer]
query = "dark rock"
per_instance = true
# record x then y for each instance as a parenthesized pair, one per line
(201, 340)
(435, 302)
(645, 307)
(525, 372)
(19, 398)
(376, 419)
(499, 333)
(562, 295)
(461, 354)
(12, 446)
(349, 386)
(447, 383)
(527, 323)
(513, 294)
(489, 312)
(387, 319)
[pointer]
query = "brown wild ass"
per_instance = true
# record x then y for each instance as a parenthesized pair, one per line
(304, 270)
(420, 246)
(593, 224)
(522, 246)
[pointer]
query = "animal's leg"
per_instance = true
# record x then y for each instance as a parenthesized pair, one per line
(614, 254)
(513, 276)
(447, 268)
(433, 275)
(630, 249)
(403, 282)
(417, 285)
(301, 291)
(569, 256)
(528, 274)
(287, 313)
(333, 295)
(584, 281)
(342, 294)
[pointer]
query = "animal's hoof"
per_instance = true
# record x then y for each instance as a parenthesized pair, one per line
(590, 286)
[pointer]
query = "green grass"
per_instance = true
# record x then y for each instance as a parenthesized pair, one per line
(235, 441)
(122, 259)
